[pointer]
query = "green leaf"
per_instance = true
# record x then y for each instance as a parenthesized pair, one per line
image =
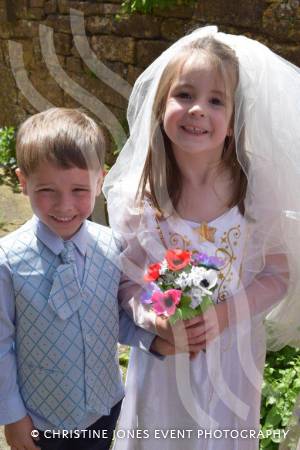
(185, 301)
(273, 418)
(176, 316)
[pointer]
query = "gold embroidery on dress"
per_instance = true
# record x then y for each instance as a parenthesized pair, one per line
(205, 232)
(179, 241)
(230, 240)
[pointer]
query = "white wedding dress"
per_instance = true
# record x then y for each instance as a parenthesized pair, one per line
(220, 389)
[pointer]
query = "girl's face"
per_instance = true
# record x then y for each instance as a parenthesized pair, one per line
(198, 108)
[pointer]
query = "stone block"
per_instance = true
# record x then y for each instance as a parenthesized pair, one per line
(59, 23)
(172, 29)
(63, 44)
(3, 17)
(24, 29)
(18, 9)
(133, 73)
(289, 52)
(180, 11)
(69, 102)
(36, 13)
(110, 8)
(99, 25)
(98, 89)
(138, 25)
(50, 7)
(282, 19)
(147, 51)
(8, 99)
(246, 13)
(28, 52)
(48, 88)
(1, 52)
(118, 68)
(6, 30)
(114, 48)
(73, 64)
(37, 3)
(86, 7)
(25, 104)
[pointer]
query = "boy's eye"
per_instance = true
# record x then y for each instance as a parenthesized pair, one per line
(45, 190)
(81, 190)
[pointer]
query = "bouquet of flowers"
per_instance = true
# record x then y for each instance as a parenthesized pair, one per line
(182, 285)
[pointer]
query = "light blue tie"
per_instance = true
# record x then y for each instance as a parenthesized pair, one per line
(66, 294)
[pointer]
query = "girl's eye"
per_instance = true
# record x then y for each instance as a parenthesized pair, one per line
(184, 95)
(81, 190)
(46, 190)
(216, 101)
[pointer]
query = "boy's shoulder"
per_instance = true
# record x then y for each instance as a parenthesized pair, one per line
(20, 235)
(103, 233)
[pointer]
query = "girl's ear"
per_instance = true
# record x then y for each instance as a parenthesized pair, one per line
(22, 180)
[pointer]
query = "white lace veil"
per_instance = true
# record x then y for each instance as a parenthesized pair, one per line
(267, 128)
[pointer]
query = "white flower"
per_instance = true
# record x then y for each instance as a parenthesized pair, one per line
(196, 296)
(163, 267)
(183, 280)
(204, 278)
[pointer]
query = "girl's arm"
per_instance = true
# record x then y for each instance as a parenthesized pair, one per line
(261, 295)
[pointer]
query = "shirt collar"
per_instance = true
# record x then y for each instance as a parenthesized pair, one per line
(54, 242)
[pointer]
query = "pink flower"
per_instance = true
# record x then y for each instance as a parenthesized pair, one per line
(165, 302)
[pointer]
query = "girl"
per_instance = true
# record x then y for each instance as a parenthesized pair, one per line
(210, 165)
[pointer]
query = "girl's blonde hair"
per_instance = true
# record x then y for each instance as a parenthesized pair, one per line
(225, 61)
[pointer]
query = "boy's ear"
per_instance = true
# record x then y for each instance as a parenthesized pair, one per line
(22, 180)
(99, 182)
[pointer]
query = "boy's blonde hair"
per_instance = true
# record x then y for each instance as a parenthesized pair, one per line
(224, 59)
(64, 137)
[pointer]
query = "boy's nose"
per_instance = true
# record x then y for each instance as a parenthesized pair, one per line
(64, 201)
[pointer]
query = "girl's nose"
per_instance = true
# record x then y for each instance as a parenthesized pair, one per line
(197, 109)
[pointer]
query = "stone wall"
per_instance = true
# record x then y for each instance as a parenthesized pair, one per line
(32, 78)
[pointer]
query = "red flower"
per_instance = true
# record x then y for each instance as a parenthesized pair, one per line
(178, 259)
(152, 272)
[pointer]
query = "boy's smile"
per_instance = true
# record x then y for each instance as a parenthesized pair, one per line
(61, 198)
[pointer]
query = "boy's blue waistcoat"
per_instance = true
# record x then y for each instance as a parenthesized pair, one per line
(66, 368)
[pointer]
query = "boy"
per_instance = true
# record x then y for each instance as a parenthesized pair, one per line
(59, 322)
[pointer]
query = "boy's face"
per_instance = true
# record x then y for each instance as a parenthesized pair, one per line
(61, 198)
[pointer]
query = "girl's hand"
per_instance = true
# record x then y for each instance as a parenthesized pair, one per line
(18, 434)
(159, 345)
(203, 329)
(175, 334)
(162, 347)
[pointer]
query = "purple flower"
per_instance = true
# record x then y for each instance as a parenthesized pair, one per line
(146, 297)
(215, 261)
(205, 260)
(200, 258)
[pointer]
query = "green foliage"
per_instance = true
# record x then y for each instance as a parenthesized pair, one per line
(281, 388)
(124, 358)
(147, 6)
(8, 150)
